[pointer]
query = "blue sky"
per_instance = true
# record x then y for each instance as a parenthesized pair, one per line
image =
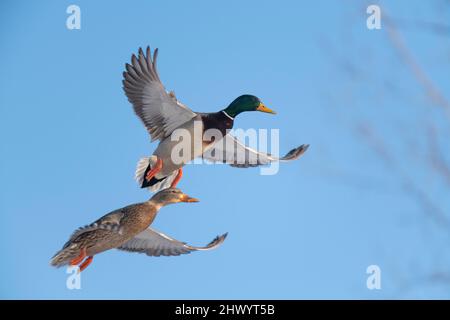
(70, 143)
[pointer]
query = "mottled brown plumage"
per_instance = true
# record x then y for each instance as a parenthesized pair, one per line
(127, 229)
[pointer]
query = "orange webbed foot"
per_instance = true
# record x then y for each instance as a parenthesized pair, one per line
(86, 263)
(177, 178)
(155, 170)
(78, 259)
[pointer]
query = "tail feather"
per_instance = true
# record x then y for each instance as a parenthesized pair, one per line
(144, 165)
(63, 256)
(141, 168)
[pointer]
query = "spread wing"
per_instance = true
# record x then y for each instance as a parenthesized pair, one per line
(231, 151)
(110, 221)
(159, 110)
(155, 243)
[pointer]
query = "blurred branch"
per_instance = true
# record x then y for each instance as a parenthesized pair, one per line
(399, 44)
(409, 185)
(437, 160)
(419, 141)
(433, 27)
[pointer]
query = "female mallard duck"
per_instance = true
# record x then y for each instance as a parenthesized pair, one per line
(162, 114)
(128, 229)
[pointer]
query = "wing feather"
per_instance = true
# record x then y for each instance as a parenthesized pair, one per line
(155, 243)
(110, 221)
(231, 151)
(160, 112)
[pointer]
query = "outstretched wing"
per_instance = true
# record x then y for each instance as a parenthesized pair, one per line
(231, 151)
(159, 110)
(110, 221)
(155, 243)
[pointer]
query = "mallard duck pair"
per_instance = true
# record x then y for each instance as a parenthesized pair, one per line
(163, 116)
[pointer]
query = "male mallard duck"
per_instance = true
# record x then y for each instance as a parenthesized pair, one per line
(128, 229)
(162, 114)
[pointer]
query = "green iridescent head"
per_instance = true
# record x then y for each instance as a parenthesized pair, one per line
(246, 102)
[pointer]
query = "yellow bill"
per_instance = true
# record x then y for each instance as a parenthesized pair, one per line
(263, 108)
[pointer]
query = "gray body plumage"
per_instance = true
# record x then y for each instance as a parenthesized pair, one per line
(161, 113)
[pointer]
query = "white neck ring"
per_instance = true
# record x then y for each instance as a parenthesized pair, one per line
(227, 115)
